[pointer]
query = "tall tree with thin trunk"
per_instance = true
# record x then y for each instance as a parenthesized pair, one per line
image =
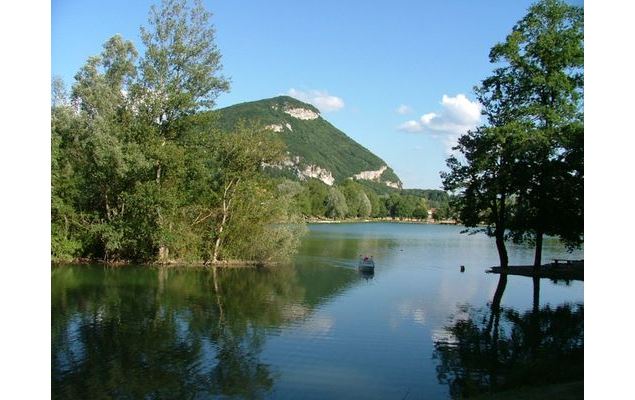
(181, 75)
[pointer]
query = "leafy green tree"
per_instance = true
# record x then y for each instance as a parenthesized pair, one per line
(106, 162)
(66, 222)
(442, 212)
(365, 207)
(181, 65)
(421, 210)
(180, 76)
(356, 199)
(484, 181)
(141, 172)
(523, 170)
(336, 206)
(236, 162)
(318, 194)
(543, 59)
(297, 194)
(392, 203)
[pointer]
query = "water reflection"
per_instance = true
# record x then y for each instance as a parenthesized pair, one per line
(346, 248)
(366, 274)
(314, 330)
(497, 348)
(170, 333)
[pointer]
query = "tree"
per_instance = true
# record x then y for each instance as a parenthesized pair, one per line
(181, 64)
(356, 199)
(336, 206)
(107, 162)
(421, 211)
(237, 159)
(542, 62)
(180, 76)
(484, 182)
(140, 171)
(531, 180)
(392, 204)
(318, 194)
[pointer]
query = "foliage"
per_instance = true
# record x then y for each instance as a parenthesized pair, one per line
(544, 59)
(521, 174)
(336, 206)
(140, 173)
(181, 65)
(484, 183)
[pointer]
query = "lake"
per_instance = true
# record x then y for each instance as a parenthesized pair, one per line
(317, 328)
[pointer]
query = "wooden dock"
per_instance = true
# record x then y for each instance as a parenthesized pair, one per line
(559, 269)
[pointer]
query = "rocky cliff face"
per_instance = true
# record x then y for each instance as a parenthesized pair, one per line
(301, 113)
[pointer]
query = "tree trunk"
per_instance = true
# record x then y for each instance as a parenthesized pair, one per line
(499, 211)
(164, 254)
(226, 205)
(219, 237)
(498, 295)
(221, 318)
(492, 329)
(158, 178)
(536, 294)
(219, 234)
(538, 254)
(502, 250)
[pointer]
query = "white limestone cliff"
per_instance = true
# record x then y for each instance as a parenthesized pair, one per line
(371, 175)
(314, 171)
(301, 113)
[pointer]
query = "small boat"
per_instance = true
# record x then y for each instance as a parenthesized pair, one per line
(366, 264)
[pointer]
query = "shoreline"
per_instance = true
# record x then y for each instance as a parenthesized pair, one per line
(375, 220)
(573, 271)
(171, 263)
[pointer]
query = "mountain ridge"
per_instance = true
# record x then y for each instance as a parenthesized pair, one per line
(316, 148)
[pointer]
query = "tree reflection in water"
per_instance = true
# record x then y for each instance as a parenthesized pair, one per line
(497, 348)
(173, 333)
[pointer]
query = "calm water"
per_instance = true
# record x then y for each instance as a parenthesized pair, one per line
(417, 328)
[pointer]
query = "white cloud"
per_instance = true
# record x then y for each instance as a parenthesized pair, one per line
(410, 126)
(426, 118)
(457, 116)
(403, 109)
(319, 98)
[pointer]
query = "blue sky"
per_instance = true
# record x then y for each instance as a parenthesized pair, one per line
(358, 61)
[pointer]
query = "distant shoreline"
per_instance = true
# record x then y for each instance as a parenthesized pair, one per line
(371, 220)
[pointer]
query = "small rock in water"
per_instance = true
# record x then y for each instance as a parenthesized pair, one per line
(462, 268)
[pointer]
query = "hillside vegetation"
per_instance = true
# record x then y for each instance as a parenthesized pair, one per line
(310, 142)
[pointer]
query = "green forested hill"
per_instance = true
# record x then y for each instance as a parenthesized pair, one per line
(316, 148)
